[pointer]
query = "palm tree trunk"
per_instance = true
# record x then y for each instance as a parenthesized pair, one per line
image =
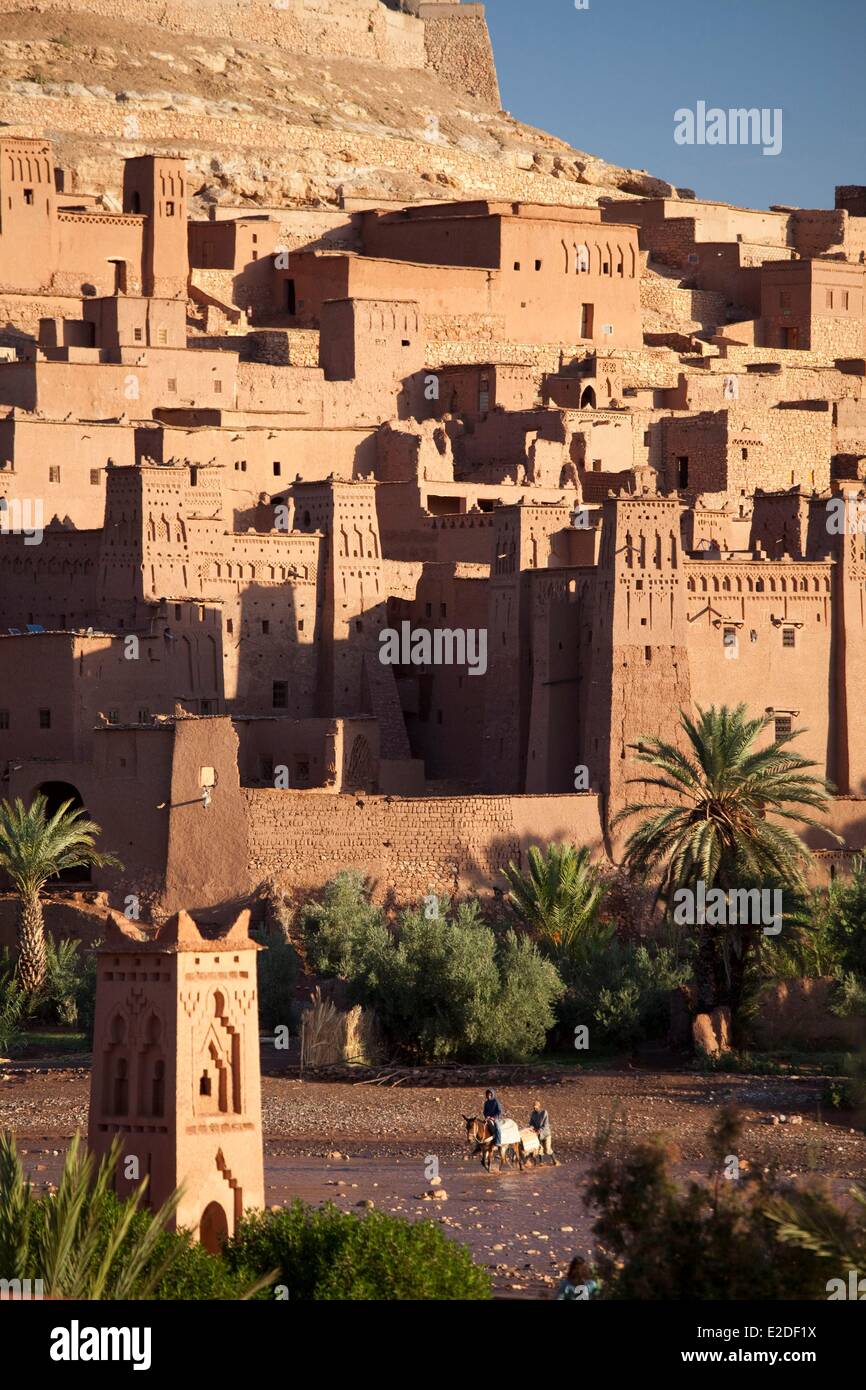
(706, 973)
(739, 962)
(31, 943)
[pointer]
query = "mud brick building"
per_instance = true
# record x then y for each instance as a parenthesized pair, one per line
(237, 447)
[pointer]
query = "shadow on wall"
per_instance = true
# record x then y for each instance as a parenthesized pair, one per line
(409, 847)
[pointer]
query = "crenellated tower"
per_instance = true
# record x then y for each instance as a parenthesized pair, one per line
(176, 1075)
(639, 651)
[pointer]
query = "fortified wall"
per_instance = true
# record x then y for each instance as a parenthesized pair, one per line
(409, 845)
(458, 48)
(449, 38)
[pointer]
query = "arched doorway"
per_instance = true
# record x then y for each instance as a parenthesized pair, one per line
(587, 400)
(214, 1228)
(56, 793)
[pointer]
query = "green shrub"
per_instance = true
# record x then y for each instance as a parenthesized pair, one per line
(522, 1015)
(849, 997)
(85, 990)
(844, 913)
(278, 974)
(56, 1001)
(849, 1092)
(335, 930)
(442, 986)
(662, 1240)
(441, 983)
(431, 982)
(67, 995)
(324, 1253)
(12, 1005)
(620, 990)
(193, 1274)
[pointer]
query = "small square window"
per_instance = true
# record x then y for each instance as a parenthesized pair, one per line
(172, 384)
(280, 696)
(538, 265)
(114, 716)
(4, 719)
(28, 197)
(54, 473)
(218, 386)
(138, 335)
(45, 719)
(162, 336)
(278, 468)
(169, 209)
(266, 626)
(789, 637)
(784, 725)
(94, 477)
(144, 716)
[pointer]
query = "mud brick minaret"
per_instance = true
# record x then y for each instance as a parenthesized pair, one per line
(176, 1069)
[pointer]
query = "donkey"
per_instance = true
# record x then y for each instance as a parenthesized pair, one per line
(482, 1133)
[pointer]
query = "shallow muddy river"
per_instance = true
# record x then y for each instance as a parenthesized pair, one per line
(524, 1227)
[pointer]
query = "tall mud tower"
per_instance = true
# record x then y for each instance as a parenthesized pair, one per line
(176, 1075)
(640, 659)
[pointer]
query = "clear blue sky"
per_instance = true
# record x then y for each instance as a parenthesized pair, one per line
(609, 79)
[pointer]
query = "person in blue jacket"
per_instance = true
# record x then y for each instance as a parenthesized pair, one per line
(493, 1111)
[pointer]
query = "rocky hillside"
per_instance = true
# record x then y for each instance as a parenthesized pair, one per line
(264, 126)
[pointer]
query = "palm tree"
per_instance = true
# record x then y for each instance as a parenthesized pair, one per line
(80, 1242)
(809, 1220)
(560, 897)
(718, 822)
(34, 847)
